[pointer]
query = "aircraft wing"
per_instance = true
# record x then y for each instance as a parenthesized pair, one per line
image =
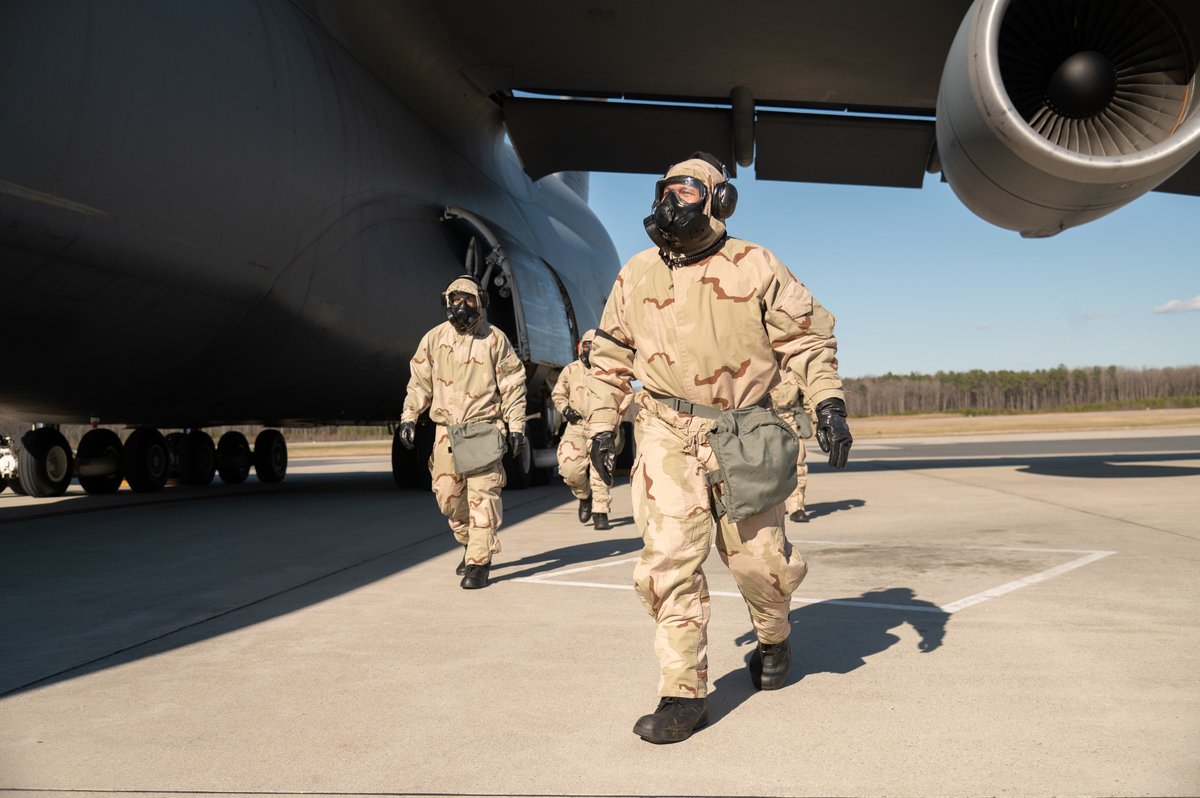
(849, 93)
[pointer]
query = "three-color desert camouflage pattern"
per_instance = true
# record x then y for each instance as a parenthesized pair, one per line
(573, 461)
(716, 332)
(463, 377)
(788, 403)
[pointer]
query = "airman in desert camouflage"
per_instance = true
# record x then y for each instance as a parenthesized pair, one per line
(464, 371)
(572, 398)
(706, 322)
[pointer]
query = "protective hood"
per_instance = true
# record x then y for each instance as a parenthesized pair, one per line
(585, 347)
(681, 229)
(460, 314)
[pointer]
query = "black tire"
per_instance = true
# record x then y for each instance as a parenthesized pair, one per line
(270, 456)
(98, 443)
(233, 458)
(538, 433)
(45, 463)
(146, 460)
(520, 470)
(196, 458)
(410, 469)
(15, 484)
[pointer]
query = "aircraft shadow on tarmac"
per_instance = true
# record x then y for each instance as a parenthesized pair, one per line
(1098, 466)
(836, 637)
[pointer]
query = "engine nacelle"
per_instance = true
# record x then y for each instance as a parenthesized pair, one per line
(1052, 113)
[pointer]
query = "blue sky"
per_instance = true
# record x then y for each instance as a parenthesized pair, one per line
(918, 283)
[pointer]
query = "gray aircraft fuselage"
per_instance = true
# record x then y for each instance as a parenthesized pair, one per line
(214, 213)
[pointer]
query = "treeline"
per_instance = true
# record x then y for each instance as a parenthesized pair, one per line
(1060, 388)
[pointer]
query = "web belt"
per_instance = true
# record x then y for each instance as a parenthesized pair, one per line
(694, 409)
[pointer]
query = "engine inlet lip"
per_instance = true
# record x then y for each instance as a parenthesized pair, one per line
(1002, 116)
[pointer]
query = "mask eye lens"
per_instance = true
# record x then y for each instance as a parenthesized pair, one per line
(462, 298)
(687, 190)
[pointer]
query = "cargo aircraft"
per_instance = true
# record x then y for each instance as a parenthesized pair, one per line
(243, 211)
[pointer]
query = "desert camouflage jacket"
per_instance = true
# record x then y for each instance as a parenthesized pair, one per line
(466, 377)
(716, 332)
(573, 389)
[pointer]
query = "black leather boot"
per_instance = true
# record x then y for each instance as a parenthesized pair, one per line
(585, 510)
(462, 566)
(800, 517)
(769, 665)
(475, 577)
(600, 521)
(673, 721)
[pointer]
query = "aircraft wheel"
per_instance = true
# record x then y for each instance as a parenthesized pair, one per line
(196, 458)
(233, 458)
(45, 464)
(270, 456)
(537, 432)
(15, 484)
(146, 460)
(520, 470)
(98, 461)
(411, 469)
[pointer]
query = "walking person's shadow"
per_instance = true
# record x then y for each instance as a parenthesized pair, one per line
(837, 636)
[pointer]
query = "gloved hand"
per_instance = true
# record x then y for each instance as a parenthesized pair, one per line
(833, 433)
(408, 435)
(604, 455)
(572, 415)
(516, 444)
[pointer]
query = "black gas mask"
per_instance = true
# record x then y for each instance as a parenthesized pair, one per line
(585, 353)
(678, 222)
(462, 310)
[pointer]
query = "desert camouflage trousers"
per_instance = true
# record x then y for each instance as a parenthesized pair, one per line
(672, 505)
(575, 466)
(470, 503)
(796, 500)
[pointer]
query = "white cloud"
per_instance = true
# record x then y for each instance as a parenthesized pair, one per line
(1175, 306)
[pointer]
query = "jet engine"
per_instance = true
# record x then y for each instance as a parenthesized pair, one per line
(1052, 113)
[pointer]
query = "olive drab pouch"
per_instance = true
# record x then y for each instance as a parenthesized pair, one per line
(475, 446)
(803, 423)
(756, 455)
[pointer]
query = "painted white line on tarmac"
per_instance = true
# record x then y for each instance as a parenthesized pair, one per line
(979, 598)
(1091, 556)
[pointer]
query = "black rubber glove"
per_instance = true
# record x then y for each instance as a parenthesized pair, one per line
(516, 444)
(572, 415)
(833, 433)
(604, 455)
(408, 435)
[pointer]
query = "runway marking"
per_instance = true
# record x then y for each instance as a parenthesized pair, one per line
(1090, 556)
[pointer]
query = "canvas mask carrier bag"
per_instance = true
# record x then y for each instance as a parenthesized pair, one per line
(756, 455)
(475, 446)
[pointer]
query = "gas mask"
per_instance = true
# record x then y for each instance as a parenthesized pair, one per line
(678, 222)
(585, 353)
(462, 310)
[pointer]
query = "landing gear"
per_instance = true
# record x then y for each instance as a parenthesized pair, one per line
(196, 458)
(146, 460)
(45, 463)
(270, 456)
(98, 461)
(233, 458)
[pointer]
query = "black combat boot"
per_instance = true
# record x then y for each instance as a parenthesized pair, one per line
(769, 665)
(475, 577)
(800, 517)
(585, 510)
(600, 521)
(462, 566)
(673, 721)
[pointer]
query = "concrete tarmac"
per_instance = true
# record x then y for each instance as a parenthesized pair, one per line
(998, 615)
